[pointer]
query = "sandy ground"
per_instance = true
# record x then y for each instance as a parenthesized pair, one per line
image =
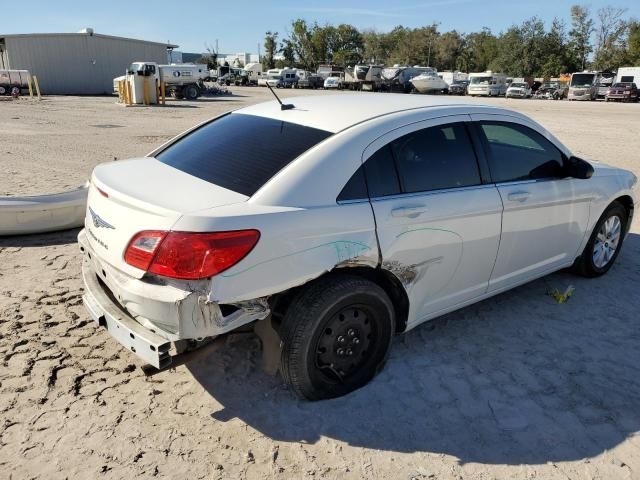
(515, 387)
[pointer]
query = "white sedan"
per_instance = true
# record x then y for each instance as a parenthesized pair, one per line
(339, 231)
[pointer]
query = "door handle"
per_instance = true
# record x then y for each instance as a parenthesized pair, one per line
(411, 212)
(518, 196)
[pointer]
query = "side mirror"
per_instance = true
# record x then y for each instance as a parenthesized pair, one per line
(577, 168)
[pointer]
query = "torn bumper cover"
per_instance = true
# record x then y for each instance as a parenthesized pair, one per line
(149, 346)
(147, 315)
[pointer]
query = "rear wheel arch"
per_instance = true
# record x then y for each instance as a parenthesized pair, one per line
(384, 279)
(627, 202)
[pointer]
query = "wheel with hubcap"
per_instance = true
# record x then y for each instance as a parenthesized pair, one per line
(605, 242)
(336, 336)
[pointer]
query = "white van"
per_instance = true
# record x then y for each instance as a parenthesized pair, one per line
(487, 84)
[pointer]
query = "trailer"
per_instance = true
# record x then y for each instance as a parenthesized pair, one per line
(11, 79)
(364, 77)
(628, 74)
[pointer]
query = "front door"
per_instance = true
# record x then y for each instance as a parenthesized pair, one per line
(545, 213)
(438, 225)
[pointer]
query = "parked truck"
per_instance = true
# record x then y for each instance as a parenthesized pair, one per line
(181, 80)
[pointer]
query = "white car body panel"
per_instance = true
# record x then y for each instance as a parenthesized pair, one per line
(444, 247)
(466, 244)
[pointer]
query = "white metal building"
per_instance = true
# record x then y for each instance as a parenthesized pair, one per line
(83, 63)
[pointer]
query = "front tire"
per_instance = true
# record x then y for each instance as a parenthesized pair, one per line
(336, 336)
(605, 242)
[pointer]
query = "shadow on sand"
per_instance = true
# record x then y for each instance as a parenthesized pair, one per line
(41, 240)
(516, 379)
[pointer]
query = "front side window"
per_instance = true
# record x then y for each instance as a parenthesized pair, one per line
(518, 153)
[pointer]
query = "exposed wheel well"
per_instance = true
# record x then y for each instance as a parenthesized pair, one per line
(627, 202)
(386, 280)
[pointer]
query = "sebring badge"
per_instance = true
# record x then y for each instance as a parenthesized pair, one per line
(99, 222)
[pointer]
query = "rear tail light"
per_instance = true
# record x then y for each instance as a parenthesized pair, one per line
(142, 247)
(188, 255)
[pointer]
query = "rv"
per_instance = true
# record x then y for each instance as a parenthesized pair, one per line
(487, 83)
(364, 77)
(326, 70)
(252, 72)
(453, 77)
(604, 82)
(273, 78)
(628, 74)
(583, 86)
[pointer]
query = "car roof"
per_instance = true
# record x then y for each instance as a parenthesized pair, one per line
(335, 113)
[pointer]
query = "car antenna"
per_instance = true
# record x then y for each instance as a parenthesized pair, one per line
(283, 106)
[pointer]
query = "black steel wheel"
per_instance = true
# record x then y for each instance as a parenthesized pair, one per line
(336, 336)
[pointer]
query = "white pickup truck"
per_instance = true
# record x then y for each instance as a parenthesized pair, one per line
(181, 80)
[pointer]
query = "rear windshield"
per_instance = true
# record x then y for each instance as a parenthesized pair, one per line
(240, 152)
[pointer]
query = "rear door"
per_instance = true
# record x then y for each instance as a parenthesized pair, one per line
(545, 213)
(438, 225)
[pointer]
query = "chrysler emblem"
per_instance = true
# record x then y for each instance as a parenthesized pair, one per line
(99, 222)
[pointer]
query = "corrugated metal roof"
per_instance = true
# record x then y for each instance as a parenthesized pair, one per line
(100, 35)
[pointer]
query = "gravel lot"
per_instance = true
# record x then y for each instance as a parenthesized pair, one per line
(515, 387)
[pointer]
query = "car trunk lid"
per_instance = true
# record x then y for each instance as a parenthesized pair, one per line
(130, 196)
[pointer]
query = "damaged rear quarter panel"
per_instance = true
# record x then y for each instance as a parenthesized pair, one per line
(296, 245)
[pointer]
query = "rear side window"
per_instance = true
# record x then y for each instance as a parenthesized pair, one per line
(240, 152)
(436, 158)
(517, 153)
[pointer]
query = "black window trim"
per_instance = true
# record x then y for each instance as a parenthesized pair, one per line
(481, 137)
(476, 146)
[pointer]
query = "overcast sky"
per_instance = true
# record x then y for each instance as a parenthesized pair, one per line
(240, 25)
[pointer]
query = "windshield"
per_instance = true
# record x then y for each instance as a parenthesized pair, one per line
(519, 85)
(480, 80)
(622, 85)
(273, 76)
(582, 79)
(240, 152)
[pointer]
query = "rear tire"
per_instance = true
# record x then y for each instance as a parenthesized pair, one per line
(191, 92)
(605, 243)
(336, 336)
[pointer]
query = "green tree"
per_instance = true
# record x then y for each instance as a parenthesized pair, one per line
(448, 49)
(611, 48)
(270, 48)
(633, 44)
(580, 34)
(346, 45)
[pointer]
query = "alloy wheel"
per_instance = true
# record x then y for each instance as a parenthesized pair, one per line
(607, 241)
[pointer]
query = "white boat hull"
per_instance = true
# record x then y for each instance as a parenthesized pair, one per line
(43, 213)
(429, 85)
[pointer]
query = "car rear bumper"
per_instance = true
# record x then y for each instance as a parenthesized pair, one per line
(148, 345)
(146, 316)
